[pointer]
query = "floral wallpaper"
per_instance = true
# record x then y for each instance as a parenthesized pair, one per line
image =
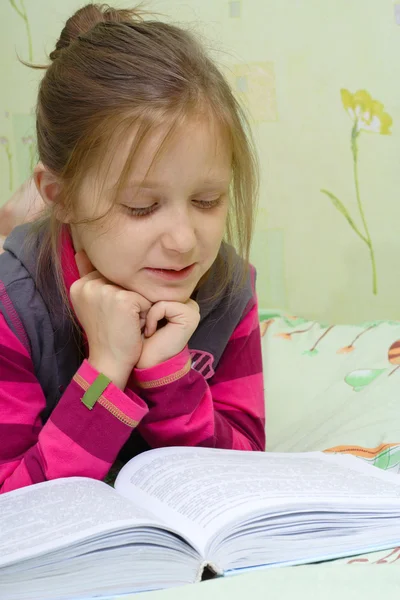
(319, 81)
(366, 115)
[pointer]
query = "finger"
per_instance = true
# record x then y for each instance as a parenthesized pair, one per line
(94, 275)
(174, 312)
(155, 314)
(143, 305)
(83, 263)
(143, 317)
(193, 304)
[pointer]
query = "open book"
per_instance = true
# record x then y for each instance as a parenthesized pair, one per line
(179, 514)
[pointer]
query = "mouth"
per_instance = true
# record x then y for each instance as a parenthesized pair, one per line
(172, 274)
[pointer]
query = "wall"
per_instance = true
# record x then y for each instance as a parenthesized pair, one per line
(326, 255)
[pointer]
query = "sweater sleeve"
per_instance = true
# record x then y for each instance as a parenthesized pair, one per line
(75, 441)
(226, 411)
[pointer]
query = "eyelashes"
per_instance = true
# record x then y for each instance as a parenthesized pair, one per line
(141, 212)
(148, 210)
(206, 204)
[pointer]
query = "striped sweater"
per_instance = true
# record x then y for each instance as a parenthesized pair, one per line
(174, 403)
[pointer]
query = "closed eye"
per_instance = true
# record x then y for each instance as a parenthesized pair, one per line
(141, 211)
(144, 211)
(205, 204)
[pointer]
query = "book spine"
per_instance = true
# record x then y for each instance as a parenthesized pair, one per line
(207, 571)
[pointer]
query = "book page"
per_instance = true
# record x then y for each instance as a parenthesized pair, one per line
(203, 490)
(56, 513)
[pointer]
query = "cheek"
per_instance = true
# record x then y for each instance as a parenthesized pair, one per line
(109, 252)
(214, 229)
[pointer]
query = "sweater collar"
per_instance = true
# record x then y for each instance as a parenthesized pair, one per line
(68, 263)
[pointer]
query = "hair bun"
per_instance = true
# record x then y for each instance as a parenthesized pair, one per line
(88, 17)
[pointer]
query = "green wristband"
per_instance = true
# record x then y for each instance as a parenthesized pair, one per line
(95, 391)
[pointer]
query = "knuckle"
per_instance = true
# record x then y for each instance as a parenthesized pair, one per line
(195, 305)
(106, 291)
(76, 288)
(122, 296)
(127, 302)
(87, 289)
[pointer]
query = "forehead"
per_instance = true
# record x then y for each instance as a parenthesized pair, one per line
(195, 149)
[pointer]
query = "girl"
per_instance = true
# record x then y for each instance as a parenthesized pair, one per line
(126, 322)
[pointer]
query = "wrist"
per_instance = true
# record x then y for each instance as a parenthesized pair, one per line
(118, 374)
(148, 362)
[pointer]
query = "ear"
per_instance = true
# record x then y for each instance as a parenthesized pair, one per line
(49, 187)
(47, 184)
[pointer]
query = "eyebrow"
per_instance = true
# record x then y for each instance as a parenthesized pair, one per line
(152, 184)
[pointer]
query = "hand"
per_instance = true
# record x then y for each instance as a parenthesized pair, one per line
(164, 343)
(23, 206)
(112, 319)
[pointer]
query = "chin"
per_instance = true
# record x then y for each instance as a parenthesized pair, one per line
(168, 294)
(174, 296)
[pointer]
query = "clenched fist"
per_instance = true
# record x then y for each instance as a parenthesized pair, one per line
(112, 319)
(164, 343)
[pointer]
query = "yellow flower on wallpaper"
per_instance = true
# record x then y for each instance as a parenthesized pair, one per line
(367, 114)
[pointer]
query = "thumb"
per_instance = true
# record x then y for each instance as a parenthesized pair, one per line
(83, 263)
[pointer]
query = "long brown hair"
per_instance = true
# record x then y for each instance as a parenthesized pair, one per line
(112, 69)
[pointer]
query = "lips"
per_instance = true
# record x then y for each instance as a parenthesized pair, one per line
(170, 268)
(171, 273)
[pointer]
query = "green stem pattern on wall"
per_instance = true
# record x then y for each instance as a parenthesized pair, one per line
(354, 149)
(21, 11)
(338, 204)
(10, 169)
(32, 157)
(6, 144)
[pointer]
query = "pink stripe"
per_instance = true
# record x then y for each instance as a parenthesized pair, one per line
(182, 431)
(63, 458)
(15, 475)
(68, 262)
(248, 323)
(244, 394)
(70, 271)
(21, 403)
(14, 318)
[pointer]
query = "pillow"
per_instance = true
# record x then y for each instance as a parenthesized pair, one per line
(333, 387)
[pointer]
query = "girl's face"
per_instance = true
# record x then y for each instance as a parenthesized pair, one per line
(170, 218)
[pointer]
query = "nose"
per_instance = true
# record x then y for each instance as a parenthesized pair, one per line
(179, 232)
